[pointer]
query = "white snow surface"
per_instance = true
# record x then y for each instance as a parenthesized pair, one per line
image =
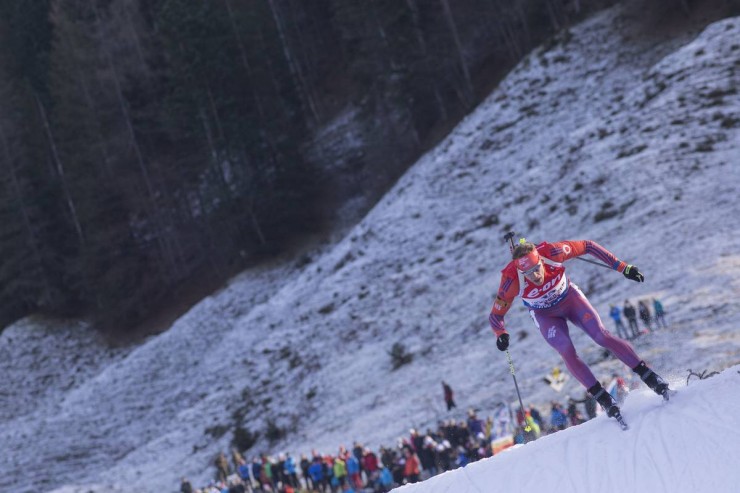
(688, 445)
(625, 120)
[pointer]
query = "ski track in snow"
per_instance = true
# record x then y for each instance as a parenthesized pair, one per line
(688, 445)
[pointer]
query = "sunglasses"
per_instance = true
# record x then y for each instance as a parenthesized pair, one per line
(532, 270)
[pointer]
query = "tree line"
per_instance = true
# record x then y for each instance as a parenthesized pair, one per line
(147, 146)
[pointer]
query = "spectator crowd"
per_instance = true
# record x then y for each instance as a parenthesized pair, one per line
(651, 320)
(420, 456)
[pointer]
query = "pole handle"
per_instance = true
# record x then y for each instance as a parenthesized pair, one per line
(510, 238)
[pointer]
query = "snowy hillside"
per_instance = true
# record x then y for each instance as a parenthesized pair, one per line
(686, 446)
(622, 133)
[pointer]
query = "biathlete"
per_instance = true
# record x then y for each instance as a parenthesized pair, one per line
(537, 275)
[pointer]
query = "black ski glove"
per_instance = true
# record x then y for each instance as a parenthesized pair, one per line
(632, 273)
(502, 342)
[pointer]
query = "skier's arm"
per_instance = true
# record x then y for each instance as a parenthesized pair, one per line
(507, 291)
(564, 250)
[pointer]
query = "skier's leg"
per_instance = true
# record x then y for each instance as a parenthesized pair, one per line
(585, 316)
(605, 399)
(652, 379)
(555, 332)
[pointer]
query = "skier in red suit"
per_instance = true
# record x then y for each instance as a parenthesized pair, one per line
(537, 275)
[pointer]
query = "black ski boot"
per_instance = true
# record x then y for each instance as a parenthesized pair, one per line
(652, 380)
(605, 399)
(607, 403)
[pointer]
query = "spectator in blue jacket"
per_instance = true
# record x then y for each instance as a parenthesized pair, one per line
(353, 471)
(616, 315)
(558, 419)
(289, 468)
(316, 472)
(243, 471)
(257, 471)
(462, 457)
(475, 425)
(385, 479)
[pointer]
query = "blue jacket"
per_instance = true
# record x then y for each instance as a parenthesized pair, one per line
(289, 465)
(558, 418)
(316, 471)
(462, 459)
(353, 467)
(386, 478)
(475, 426)
(658, 307)
(615, 314)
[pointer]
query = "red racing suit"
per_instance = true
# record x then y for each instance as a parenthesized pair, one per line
(555, 286)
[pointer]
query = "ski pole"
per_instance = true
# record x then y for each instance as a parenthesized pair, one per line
(510, 237)
(527, 428)
(594, 262)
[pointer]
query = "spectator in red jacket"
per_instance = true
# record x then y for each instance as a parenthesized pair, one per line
(411, 467)
(370, 465)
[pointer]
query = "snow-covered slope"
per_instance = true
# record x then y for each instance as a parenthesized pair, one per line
(618, 134)
(686, 446)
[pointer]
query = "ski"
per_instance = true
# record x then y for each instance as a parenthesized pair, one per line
(622, 423)
(667, 394)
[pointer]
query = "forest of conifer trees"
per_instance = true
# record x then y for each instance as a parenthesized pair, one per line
(148, 146)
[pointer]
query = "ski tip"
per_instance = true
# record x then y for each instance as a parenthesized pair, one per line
(668, 394)
(621, 422)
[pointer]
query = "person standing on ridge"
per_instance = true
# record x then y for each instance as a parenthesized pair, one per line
(537, 274)
(659, 313)
(644, 312)
(631, 315)
(449, 400)
(616, 315)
